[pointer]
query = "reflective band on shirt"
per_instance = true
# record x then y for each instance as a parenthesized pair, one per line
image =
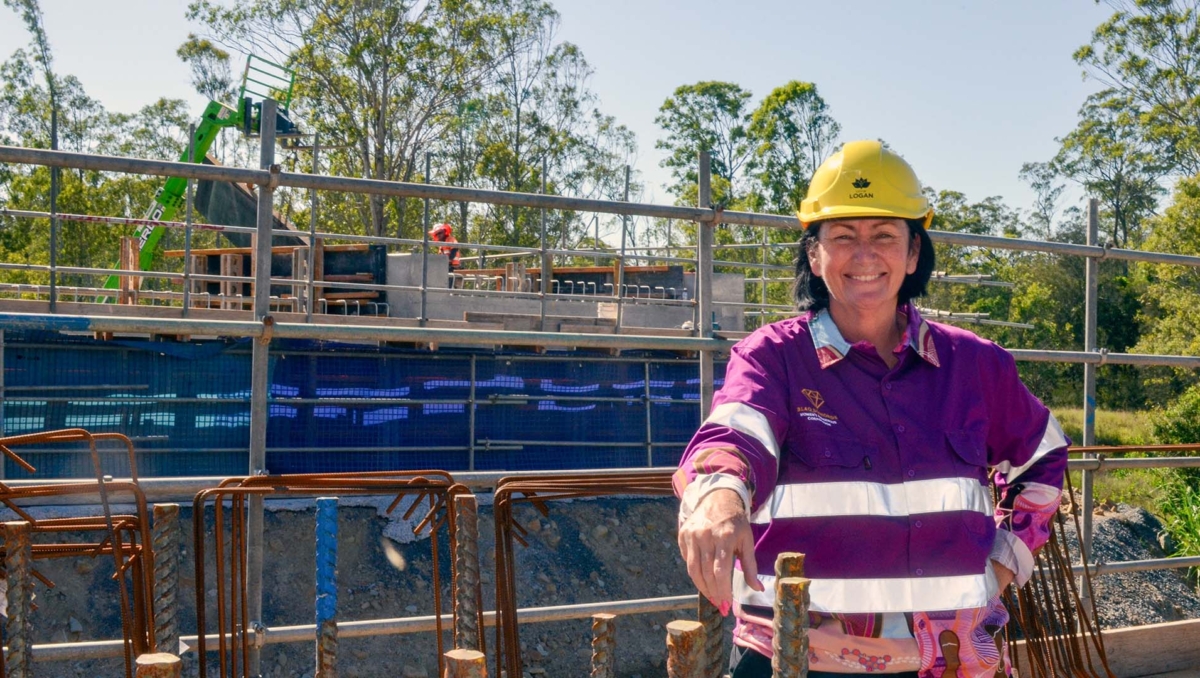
(1052, 439)
(747, 420)
(821, 500)
(900, 594)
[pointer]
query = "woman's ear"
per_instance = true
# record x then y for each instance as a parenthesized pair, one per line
(813, 252)
(914, 254)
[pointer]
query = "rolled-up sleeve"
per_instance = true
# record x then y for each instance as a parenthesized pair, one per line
(1028, 450)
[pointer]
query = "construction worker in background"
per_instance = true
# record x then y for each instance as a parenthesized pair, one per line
(443, 233)
(865, 437)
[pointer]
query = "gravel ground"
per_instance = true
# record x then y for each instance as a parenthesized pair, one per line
(1123, 533)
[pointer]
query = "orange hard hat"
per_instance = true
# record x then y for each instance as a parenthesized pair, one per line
(441, 230)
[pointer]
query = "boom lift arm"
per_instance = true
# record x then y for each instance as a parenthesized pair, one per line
(262, 78)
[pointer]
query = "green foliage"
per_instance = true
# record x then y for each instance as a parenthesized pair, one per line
(211, 73)
(1146, 53)
(483, 86)
(761, 159)
(1109, 153)
(706, 116)
(1177, 423)
(793, 132)
(1181, 512)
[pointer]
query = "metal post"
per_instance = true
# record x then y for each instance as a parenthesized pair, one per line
(685, 649)
(604, 641)
(166, 577)
(763, 275)
(1091, 306)
(54, 175)
(649, 428)
(704, 270)
(260, 363)
(2, 398)
(312, 234)
(187, 228)
(326, 604)
(710, 617)
(620, 291)
(545, 287)
(19, 562)
(468, 617)
(425, 252)
(790, 643)
(471, 418)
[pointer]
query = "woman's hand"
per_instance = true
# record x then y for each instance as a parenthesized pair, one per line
(718, 530)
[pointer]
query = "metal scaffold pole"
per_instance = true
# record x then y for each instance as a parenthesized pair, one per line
(704, 269)
(260, 363)
(309, 298)
(620, 280)
(187, 227)
(424, 317)
(546, 261)
(54, 176)
(1091, 307)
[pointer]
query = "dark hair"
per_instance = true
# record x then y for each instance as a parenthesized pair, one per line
(811, 294)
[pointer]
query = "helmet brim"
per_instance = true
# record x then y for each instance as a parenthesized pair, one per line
(862, 212)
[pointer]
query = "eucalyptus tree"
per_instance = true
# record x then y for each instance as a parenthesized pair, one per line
(378, 79)
(1148, 54)
(706, 116)
(1109, 153)
(793, 132)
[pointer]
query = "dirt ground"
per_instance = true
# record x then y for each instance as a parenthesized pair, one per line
(585, 551)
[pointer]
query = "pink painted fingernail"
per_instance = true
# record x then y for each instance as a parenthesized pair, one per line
(724, 608)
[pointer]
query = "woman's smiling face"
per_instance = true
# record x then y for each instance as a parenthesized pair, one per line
(863, 262)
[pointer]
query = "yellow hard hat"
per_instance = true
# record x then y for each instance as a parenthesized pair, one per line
(864, 179)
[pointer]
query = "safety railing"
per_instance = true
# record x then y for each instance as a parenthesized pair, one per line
(703, 340)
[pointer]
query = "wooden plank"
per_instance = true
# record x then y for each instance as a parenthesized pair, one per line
(586, 329)
(282, 249)
(486, 316)
(351, 278)
(573, 269)
(732, 335)
(352, 295)
(657, 331)
(1143, 651)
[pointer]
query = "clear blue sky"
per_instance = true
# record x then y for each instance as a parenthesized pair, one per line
(966, 90)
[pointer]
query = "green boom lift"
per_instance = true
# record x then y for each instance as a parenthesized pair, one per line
(261, 78)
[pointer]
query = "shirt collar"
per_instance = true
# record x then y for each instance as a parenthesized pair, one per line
(831, 346)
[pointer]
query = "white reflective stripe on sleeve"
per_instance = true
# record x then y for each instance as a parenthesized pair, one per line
(706, 483)
(818, 500)
(746, 419)
(1052, 439)
(900, 594)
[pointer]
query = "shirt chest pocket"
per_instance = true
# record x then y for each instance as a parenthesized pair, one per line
(970, 449)
(821, 451)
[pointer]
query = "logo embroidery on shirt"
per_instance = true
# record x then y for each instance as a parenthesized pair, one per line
(814, 413)
(814, 397)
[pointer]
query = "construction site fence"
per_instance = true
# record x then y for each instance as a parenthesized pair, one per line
(269, 177)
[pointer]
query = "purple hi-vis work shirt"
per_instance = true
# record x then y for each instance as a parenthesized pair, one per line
(880, 477)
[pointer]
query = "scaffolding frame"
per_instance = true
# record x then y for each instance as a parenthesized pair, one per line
(264, 327)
